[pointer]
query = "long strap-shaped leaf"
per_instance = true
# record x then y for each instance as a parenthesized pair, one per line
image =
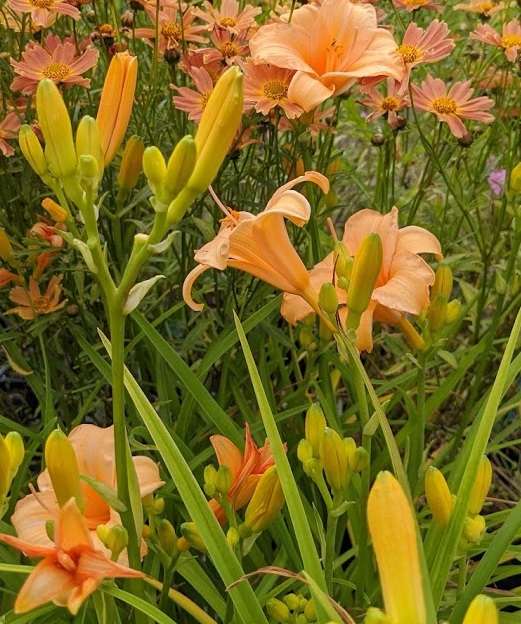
(289, 486)
(223, 557)
(138, 603)
(448, 547)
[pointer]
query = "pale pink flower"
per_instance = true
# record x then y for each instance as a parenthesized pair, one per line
(172, 30)
(266, 87)
(43, 12)
(9, 127)
(509, 40)
(452, 105)
(413, 5)
(193, 101)
(482, 7)
(56, 60)
(229, 16)
(389, 103)
(227, 47)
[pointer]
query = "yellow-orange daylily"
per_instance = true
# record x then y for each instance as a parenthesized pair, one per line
(260, 245)
(71, 568)
(117, 99)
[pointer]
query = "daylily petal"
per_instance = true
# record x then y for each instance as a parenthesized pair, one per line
(29, 549)
(71, 530)
(418, 240)
(47, 582)
(147, 475)
(308, 91)
(188, 284)
(80, 593)
(227, 453)
(30, 515)
(95, 564)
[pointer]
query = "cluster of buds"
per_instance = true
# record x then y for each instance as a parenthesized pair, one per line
(11, 456)
(293, 609)
(324, 452)
(441, 501)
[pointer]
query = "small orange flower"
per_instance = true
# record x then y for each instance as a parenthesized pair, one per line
(44, 12)
(193, 101)
(30, 302)
(172, 30)
(6, 277)
(71, 568)
(227, 47)
(388, 103)
(48, 233)
(488, 8)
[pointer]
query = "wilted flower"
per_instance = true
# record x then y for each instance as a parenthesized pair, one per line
(44, 12)
(9, 127)
(48, 233)
(30, 302)
(496, 181)
(452, 105)
(266, 87)
(55, 59)
(509, 40)
(193, 101)
(228, 16)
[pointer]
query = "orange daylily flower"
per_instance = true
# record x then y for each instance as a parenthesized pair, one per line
(30, 302)
(403, 284)
(94, 448)
(71, 568)
(330, 46)
(117, 99)
(259, 244)
(245, 467)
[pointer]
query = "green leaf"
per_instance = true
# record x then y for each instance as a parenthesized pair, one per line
(107, 493)
(138, 603)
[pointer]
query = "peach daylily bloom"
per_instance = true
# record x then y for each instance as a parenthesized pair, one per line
(193, 101)
(488, 8)
(44, 12)
(172, 30)
(57, 60)
(246, 469)
(31, 303)
(228, 16)
(330, 47)
(259, 244)
(94, 448)
(266, 87)
(402, 286)
(509, 40)
(9, 127)
(71, 569)
(388, 104)
(452, 105)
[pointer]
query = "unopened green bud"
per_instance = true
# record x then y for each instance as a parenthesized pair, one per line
(192, 535)
(310, 611)
(154, 167)
(315, 426)
(344, 262)
(292, 601)
(306, 337)
(167, 536)
(88, 142)
(224, 480)
(454, 311)
(89, 172)
(440, 294)
(313, 468)
(233, 537)
(366, 268)
(62, 466)
(304, 450)
(5, 470)
(210, 480)
(515, 179)
(277, 610)
(159, 506)
(179, 169)
(115, 538)
(360, 460)
(131, 163)
(333, 454)
(327, 298)
(32, 150)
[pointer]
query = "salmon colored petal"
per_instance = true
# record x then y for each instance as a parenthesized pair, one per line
(243, 494)
(364, 333)
(95, 564)
(294, 308)
(47, 582)
(80, 593)
(147, 475)
(30, 515)
(71, 530)
(94, 447)
(307, 91)
(292, 205)
(227, 453)
(309, 176)
(30, 550)
(417, 240)
(188, 285)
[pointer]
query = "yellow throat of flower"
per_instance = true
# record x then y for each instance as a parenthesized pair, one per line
(410, 53)
(444, 105)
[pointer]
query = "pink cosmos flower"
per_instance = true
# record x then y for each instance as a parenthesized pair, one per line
(227, 47)
(509, 40)
(9, 127)
(389, 103)
(413, 5)
(193, 101)
(266, 87)
(172, 29)
(229, 16)
(482, 7)
(452, 105)
(43, 12)
(330, 47)
(57, 60)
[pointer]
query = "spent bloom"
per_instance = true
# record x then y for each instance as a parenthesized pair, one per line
(172, 29)
(259, 244)
(402, 286)
(347, 46)
(228, 16)
(31, 302)
(193, 101)
(9, 127)
(452, 105)
(71, 569)
(43, 12)
(509, 40)
(55, 59)
(388, 103)
(266, 87)
(486, 8)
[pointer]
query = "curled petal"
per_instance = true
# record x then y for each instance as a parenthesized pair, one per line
(188, 284)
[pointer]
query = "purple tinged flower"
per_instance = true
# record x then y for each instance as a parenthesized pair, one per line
(496, 181)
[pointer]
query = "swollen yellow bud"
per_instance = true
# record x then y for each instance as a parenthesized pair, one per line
(376, 616)
(304, 450)
(179, 169)
(482, 610)
(32, 150)
(474, 529)
(167, 536)
(88, 142)
(15, 446)
(210, 479)
(266, 502)
(277, 610)
(413, 338)
(440, 294)
(154, 166)
(454, 310)
(5, 470)
(343, 262)
(366, 268)
(481, 486)
(115, 538)
(62, 466)
(192, 536)
(393, 531)
(218, 126)
(515, 179)
(131, 163)
(56, 212)
(223, 480)
(55, 123)
(438, 496)
(6, 249)
(335, 459)
(315, 426)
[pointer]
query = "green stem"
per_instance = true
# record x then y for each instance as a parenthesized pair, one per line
(184, 602)
(417, 437)
(331, 530)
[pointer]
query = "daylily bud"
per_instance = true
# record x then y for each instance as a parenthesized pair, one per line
(15, 446)
(438, 496)
(6, 249)
(315, 426)
(233, 537)
(5, 471)
(179, 169)
(440, 294)
(334, 457)
(413, 338)
(277, 610)
(454, 309)
(360, 460)
(515, 179)
(310, 611)
(393, 531)
(304, 450)
(210, 480)
(376, 616)
(482, 610)
(192, 535)
(159, 506)
(344, 262)
(474, 529)
(224, 480)
(154, 167)
(62, 466)
(266, 502)
(219, 124)
(88, 142)
(32, 150)
(89, 172)
(366, 268)
(131, 163)
(292, 601)
(481, 486)
(55, 123)
(54, 209)
(114, 538)
(117, 99)
(167, 536)
(327, 298)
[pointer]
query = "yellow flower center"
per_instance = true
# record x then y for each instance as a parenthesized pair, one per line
(229, 49)
(171, 30)
(42, 4)
(511, 41)
(57, 71)
(390, 103)
(444, 105)
(106, 30)
(275, 90)
(409, 53)
(228, 22)
(416, 3)
(485, 7)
